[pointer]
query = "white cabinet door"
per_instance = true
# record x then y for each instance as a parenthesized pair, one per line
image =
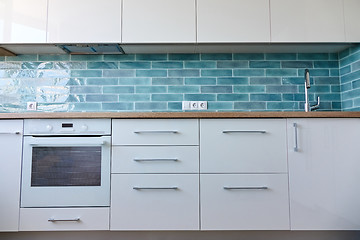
(10, 169)
(244, 202)
(243, 146)
(233, 21)
(84, 21)
(352, 19)
(324, 174)
(307, 21)
(155, 202)
(23, 21)
(159, 21)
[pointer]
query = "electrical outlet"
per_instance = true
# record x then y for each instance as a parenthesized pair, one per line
(194, 105)
(202, 105)
(31, 106)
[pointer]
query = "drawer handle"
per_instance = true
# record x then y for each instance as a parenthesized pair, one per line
(246, 188)
(155, 159)
(10, 133)
(244, 131)
(64, 220)
(155, 188)
(156, 131)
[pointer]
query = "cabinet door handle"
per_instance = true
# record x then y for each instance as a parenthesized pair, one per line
(64, 220)
(244, 131)
(246, 188)
(296, 147)
(10, 133)
(155, 159)
(155, 131)
(155, 188)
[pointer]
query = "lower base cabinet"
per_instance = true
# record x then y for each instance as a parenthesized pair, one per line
(244, 202)
(64, 219)
(155, 202)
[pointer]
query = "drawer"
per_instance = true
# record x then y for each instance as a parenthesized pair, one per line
(244, 202)
(155, 159)
(155, 202)
(64, 219)
(155, 132)
(243, 146)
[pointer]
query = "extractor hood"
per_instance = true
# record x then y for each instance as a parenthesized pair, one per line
(92, 48)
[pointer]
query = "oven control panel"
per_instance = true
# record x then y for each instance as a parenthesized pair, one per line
(35, 127)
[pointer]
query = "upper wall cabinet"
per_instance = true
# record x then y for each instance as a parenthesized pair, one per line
(307, 21)
(159, 21)
(84, 21)
(233, 21)
(23, 21)
(352, 19)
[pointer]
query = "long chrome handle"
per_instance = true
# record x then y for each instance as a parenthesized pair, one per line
(9, 133)
(296, 148)
(244, 131)
(64, 220)
(155, 188)
(155, 159)
(68, 144)
(246, 188)
(155, 131)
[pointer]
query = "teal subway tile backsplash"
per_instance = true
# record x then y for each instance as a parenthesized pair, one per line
(160, 82)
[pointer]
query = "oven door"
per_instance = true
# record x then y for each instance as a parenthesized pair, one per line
(66, 171)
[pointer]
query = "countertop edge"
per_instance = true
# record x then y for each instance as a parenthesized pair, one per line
(172, 115)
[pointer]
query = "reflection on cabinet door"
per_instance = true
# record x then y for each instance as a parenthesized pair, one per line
(10, 169)
(155, 202)
(324, 174)
(244, 202)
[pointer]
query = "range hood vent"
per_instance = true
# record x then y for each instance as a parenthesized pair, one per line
(92, 48)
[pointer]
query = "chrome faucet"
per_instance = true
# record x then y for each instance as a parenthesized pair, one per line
(307, 86)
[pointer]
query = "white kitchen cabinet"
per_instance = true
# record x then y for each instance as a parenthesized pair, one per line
(155, 159)
(244, 202)
(225, 21)
(155, 202)
(243, 146)
(84, 21)
(352, 19)
(23, 21)
(324, 174)
(10, 170)
(64, 219)
(307, 21)
(159, 21)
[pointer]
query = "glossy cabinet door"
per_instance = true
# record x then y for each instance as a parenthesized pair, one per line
(324, 174)
(244, 202)
(84, 21)
(159, 21)
(307, 21)
(226, 21)
(155, 202)
(23, 21)
(352, 19)
(10, 170)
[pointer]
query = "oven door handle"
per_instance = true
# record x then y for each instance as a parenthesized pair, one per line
(60, 142)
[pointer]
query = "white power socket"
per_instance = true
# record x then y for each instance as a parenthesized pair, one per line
(194, 105)
(31, 106)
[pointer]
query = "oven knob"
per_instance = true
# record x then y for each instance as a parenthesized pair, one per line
(84, 128)
(49, 127)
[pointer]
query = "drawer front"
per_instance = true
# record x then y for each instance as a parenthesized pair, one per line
(243, 146)
(155, 132)
(155, 202)
(155, 159)
(64, 219)
(242, 202)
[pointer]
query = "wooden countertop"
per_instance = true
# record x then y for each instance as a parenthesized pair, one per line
(170, 115)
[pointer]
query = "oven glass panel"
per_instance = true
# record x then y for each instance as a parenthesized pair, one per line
(66, 166)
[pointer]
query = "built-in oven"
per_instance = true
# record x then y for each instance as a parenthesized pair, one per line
(66, 163)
